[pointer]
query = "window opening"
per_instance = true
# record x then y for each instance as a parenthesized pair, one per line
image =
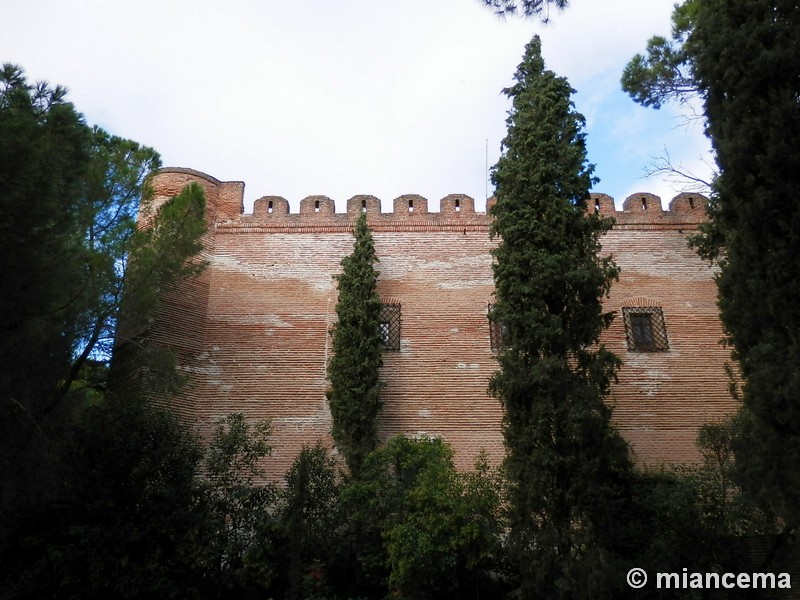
(497, 331)
(364, 206)
(458, 204)
(411, 205)
(597, 205)
(316, 205)
(389, 326)
(645, 329)
(644, 203)
(269, 206)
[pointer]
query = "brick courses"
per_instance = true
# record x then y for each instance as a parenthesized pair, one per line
(252, 331)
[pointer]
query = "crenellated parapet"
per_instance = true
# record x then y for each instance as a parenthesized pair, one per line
(225, 201)
(251, 333)
(645, 209)
(223, 198)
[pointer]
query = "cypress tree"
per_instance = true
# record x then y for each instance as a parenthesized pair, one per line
(565, 463)
(354, 392)
(748, 68)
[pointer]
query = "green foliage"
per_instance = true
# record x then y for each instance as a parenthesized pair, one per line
(162, 254)
(140, 513)
(125, 523)
(448, 537)
(69, 196)
(310, 517)
(694, 515)
(44, 152)
(724, 509)
(99, 494)
(748, 69)
(234, 454)
(420, 527)
(527, 8)
(154, 259)
(354, 370)
(665, 73)
(741, 57)
(113, 185)
(566, 465)
(664, 530)
(239, 503)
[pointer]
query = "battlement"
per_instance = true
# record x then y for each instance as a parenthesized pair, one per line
(409, 211)
(252, 332)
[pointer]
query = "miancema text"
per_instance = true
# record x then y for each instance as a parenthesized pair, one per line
(710, 581)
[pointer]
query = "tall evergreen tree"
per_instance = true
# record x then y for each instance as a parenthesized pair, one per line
(741, 56)
(748, 67)
(565, 463)
(353, 371)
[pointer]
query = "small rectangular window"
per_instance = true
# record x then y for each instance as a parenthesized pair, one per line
(496, 331)
(645, 329)
(389, 326)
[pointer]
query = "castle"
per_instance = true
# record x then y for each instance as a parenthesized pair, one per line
(251, 332)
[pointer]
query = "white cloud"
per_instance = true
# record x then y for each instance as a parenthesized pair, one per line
(337, 98)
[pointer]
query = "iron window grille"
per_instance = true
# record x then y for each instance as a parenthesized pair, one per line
(389, 326)
(645, 329)
(496, 330)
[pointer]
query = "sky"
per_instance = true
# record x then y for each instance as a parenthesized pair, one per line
(348, 97)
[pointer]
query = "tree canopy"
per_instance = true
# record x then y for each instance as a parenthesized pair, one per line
(564, 461)
(526, 8)
(741, 58)
(101, 494)
(74, 261)
(748, 69)
(45, 152)
(420, 528)
(666, 71)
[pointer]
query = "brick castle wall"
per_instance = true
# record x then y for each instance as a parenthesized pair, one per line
(252, 331)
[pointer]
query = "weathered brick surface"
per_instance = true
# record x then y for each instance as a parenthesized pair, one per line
(253, 330)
